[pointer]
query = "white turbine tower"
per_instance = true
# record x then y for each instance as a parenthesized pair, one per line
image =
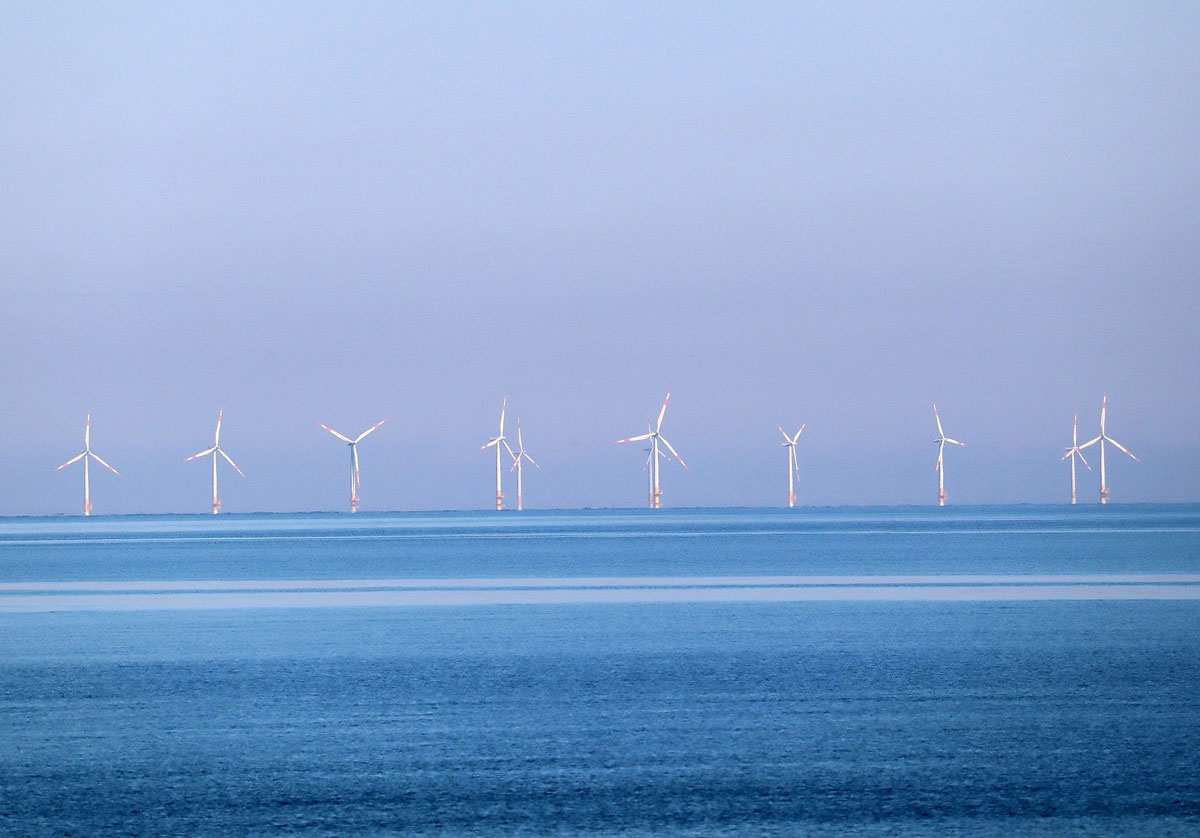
(655, 436)
(215, 450)
(646, 468)
(518, 457)
(1103, 438)
(85, 455)
(789, 442)
(1073, 452)
(940, 468)
(355, 477)
(498, 441)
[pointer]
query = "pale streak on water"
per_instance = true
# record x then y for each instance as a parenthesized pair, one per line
(27, 597)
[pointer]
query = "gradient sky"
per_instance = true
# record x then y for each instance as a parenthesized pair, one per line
(824, 213)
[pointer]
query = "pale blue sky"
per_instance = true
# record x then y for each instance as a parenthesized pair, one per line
(821, 213)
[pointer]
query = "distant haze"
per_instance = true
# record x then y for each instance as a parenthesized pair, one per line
(823, 213)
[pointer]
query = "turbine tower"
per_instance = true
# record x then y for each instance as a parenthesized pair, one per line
(518, 456)
(940, 468)
(655, 436)
(497, 441)
(355, 478)
(1103, 438)
(789, 442)
(85, 455)
(215, 450)
(1073, 452)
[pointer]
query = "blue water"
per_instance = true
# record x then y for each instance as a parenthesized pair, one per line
(956, 708)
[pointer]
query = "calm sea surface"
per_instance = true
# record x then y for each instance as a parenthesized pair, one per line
(986, 671)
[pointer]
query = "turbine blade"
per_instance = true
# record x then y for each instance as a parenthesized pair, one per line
(1121, 447)
(74, 459)
(796, 438)
(955, 442)
(217, 435)
(508, 448)
(941, 433)
(231, 462)
(526, 456)
(503, 408)
(96, 457)
(785, 436)
(673, 451)
(335, 433)
(369, 430)
(663, 412)
(87, 434)
(203, 453)
(1085, 462)
(494, 441)
(941, 450)
(633, 439)
(1090, 442)
(357, 473)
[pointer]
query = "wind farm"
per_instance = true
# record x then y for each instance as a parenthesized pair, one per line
(85, 455)
(213, 452)
(355, 474)
(658, 451)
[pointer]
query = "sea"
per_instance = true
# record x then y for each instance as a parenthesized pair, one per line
(908, 671)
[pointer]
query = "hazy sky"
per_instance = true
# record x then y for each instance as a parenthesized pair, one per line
(825, 213)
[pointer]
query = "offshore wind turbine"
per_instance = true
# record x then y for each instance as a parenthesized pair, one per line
(214, 451)
(1073, 452)
(496, 442)
(85, 455)
(1103, 438)
(518, 457)
(355, 478)
(789, 442)
(656, 438)
(940, 468)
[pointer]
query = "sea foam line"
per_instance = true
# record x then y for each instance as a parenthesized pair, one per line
(25, 597)
(577, 582)
(442, 535)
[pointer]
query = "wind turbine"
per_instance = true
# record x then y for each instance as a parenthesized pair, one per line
(1103, 438)
(1073, 452)
(518, 456)
(497, 441)
(355, 478)
(215, 450)
(655, 436)
(789, 442)
(85, 455)
(940, 468)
